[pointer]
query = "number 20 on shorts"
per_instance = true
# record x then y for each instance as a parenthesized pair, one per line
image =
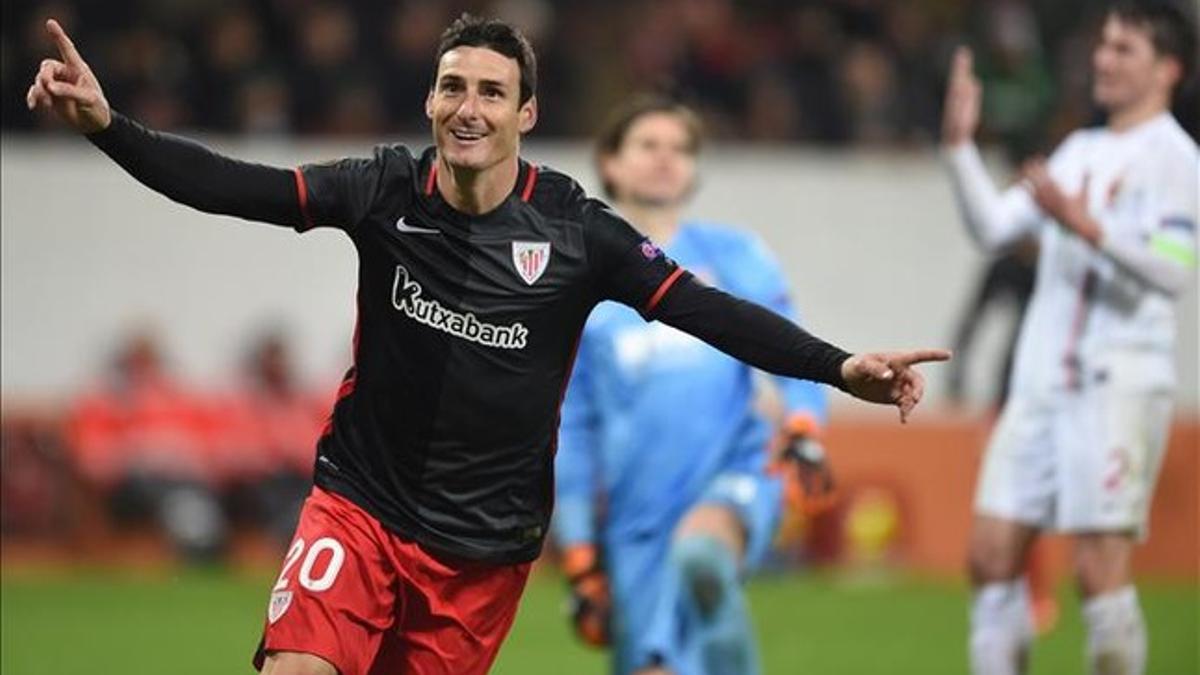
(336, 556)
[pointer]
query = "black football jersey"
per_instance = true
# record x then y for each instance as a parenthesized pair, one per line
(445, 426)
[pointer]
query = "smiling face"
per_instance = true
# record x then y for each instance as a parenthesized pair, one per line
(1127, 68)
(655, 165)
(475, 108)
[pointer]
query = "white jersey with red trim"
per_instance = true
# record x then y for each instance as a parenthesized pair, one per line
(1092, 303)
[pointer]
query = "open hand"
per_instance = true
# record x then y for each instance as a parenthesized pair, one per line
(889, 377)
(964, 94)
(68, 87)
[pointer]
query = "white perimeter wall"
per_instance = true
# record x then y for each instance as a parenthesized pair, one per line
(871, 243)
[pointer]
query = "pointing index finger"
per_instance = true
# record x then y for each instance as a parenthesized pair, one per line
(922, 356)
(66, 48)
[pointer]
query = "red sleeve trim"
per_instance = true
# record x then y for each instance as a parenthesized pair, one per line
(302, 197)
(662, 289)
(530, 181)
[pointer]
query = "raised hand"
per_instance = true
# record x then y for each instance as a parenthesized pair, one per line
(960, 114)
(68, 86)
(889, 377)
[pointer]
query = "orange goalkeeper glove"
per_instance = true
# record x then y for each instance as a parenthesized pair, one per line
(590, 605)
(808, 477)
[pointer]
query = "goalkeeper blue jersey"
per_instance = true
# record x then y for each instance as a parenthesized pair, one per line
(652, 415)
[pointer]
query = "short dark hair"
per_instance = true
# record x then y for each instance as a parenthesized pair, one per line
(498, 36)
(621, 119)
(1172, 29)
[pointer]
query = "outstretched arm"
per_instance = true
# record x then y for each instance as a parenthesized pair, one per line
(180, 169)
(765, 340)
(761, 280)
(193, 175)
(630, 269)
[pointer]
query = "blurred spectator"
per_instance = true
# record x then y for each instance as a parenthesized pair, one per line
(150, 70)
(233, 55)
(34, 490)
(189, 464)
(871, 92)
(356, 110)
(713, 66)
(139, 438)
(772, 109)
(412, 38)
(326, 36)
(824, 71)
(917, 50)
(814, 42)
(269, 428)
(262, 105)
(1014, 73)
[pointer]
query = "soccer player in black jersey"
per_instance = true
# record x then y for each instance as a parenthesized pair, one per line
(477, 270)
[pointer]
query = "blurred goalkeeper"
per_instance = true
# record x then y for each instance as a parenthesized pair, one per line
(663, 431)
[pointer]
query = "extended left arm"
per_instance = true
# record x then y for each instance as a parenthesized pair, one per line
(797, 451)
(749, 332)
(630, 269)
(763, 339)
(760, 279)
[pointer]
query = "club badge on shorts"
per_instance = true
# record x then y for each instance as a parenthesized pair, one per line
(531, 259)
(280, 601)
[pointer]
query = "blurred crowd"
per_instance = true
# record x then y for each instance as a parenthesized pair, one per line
(820, 71)
(142, 448)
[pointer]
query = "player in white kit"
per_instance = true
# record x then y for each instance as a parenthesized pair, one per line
(1079, 444)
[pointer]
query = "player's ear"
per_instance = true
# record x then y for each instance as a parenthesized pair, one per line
(1170, 70)
(429, 104)
(606, 165)
(528, 115)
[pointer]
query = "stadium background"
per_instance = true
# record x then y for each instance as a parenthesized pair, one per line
(824, 119)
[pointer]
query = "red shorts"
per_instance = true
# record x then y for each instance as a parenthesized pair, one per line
(372, 602)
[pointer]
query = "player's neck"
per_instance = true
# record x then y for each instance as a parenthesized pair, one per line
(1137, 113)
(657, 222)
(477, 191)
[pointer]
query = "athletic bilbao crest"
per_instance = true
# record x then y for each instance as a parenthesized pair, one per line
(280, 601)
(531, 258)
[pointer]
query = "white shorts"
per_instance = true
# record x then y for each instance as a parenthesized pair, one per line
(1075, 461)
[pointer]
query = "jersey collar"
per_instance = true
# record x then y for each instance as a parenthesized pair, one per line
(527, 174)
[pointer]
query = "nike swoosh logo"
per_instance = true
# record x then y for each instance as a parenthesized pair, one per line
(402, 226)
